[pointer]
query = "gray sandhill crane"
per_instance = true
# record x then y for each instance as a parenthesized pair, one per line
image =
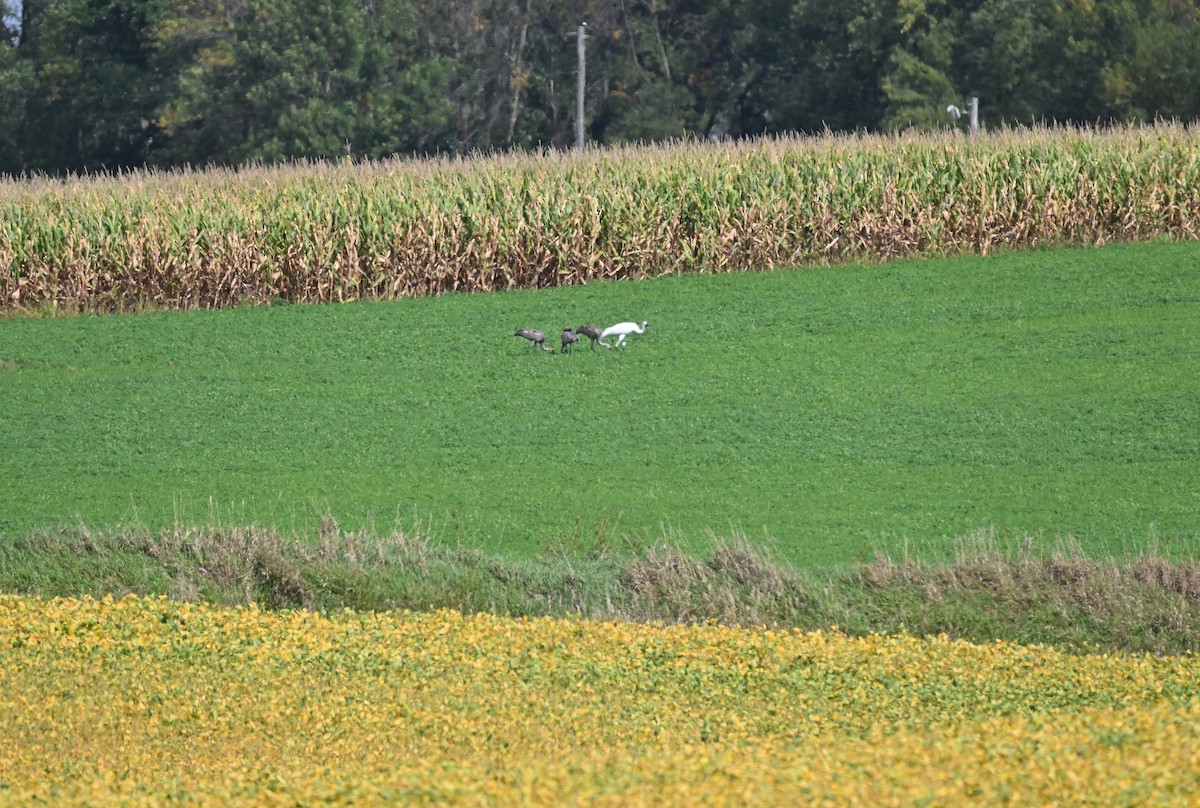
(621, 331)
(535, 337)
(569, 338)
(590, 331)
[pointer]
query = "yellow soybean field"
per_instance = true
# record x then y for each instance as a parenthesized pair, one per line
(146, 701)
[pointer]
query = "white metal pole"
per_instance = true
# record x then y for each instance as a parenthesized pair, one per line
(580, 36)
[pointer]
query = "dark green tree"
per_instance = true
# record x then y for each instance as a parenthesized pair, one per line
(809, 65)
(288, 79)
(917, 94)
(95, 85)
(195, 52)
(916, 86)
(494, 69)
(1161, 77)
(649, 91)
(80, 86)
(16, 84)
(403, 107)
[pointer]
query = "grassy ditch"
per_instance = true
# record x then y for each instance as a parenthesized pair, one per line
(1025, 592)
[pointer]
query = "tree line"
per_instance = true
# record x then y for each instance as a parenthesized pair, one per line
(107, 85)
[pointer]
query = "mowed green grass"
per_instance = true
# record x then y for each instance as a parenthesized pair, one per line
(827, 413)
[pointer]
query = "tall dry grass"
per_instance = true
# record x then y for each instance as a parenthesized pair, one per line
(323, 232)
(1055, 594)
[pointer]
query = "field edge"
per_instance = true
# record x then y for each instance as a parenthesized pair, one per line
(1031, 592)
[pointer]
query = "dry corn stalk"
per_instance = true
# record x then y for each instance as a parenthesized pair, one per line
(320, 233)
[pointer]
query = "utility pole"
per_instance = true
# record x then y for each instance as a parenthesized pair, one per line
(580, 36)
(972, 112)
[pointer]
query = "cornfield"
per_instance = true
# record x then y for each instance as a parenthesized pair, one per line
(403, 228)
(144, 701)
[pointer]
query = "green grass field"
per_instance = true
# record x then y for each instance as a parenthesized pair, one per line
(827, 412)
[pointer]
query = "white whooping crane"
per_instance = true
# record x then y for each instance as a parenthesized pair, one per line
(621, 331)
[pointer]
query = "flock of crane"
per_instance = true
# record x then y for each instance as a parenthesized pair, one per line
(570, 336)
